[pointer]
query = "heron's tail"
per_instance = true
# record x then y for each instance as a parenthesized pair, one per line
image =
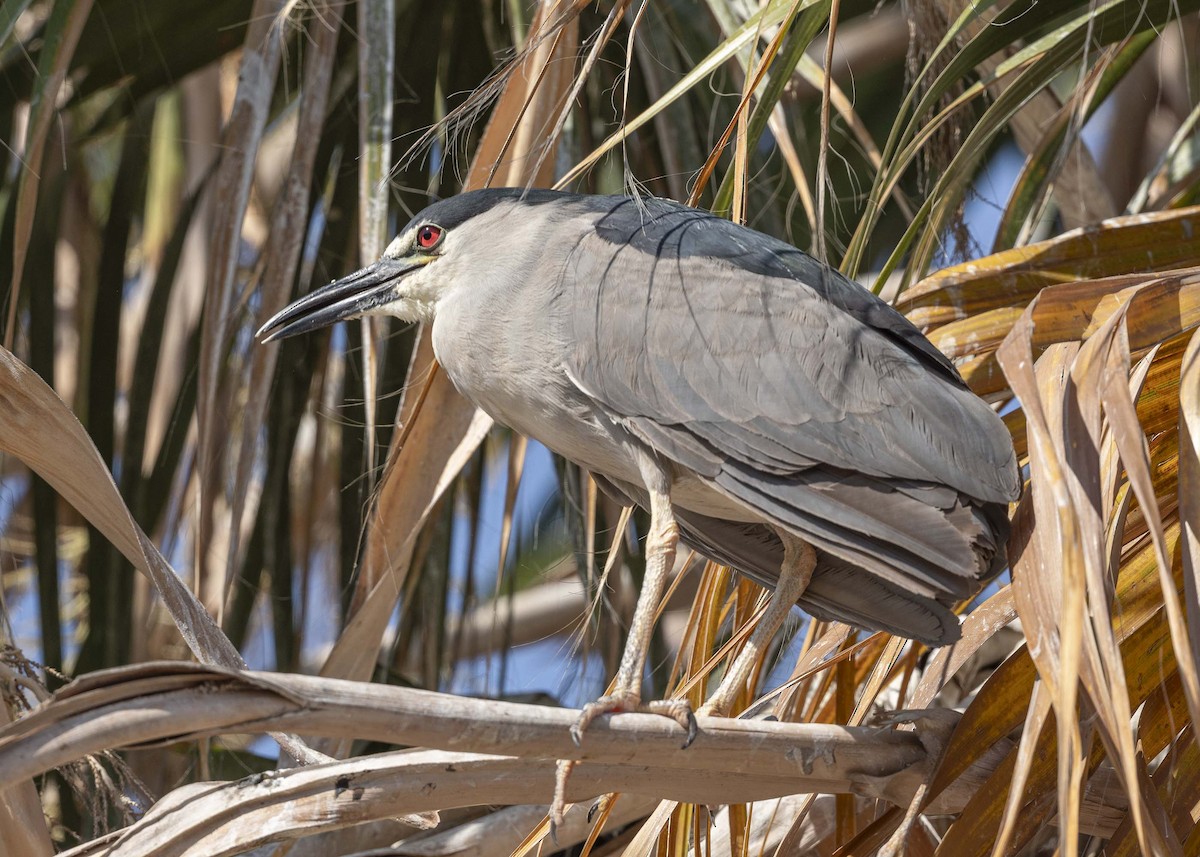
(911, 599)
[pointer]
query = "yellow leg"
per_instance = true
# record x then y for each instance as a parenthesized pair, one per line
(627, 693)
(799, 560)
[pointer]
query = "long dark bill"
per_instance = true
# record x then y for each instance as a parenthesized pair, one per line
(346, 298)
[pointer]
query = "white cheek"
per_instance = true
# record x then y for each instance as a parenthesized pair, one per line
(404, 309)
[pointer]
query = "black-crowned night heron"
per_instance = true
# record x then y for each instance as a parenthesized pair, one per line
(769, 412)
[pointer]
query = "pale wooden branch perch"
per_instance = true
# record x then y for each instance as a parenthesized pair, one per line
(482, 751)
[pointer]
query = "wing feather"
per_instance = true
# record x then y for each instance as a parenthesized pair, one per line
(797, 393)
(703, 328)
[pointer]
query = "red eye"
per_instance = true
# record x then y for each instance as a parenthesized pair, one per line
(428, 236)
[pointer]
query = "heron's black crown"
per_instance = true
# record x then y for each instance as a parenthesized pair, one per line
(452, 212)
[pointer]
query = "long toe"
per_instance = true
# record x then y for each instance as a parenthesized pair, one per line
(678, 710)
(611, 704)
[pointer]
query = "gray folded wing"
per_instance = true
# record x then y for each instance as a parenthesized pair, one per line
(796, 393)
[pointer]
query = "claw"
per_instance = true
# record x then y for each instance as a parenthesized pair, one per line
(629, 701)
(678, 710)
(692, 729)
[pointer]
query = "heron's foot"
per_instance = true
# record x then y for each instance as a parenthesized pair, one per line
(679, 710)
(676, 709)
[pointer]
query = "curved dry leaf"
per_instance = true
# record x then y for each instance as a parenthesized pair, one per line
(980, 626)
(1135, 455)
(39, 429)
(1111, 248)
(1100, 667)
(500, 833)
(1189, 483)
(1039, 555)
(229, 818)
(1027, 749)
(1038, 564)
(981, 332)
(974, 832)
(1001, 703)
(22, 825)
(1070, 641)
(1177, 782)
(1163, 717)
